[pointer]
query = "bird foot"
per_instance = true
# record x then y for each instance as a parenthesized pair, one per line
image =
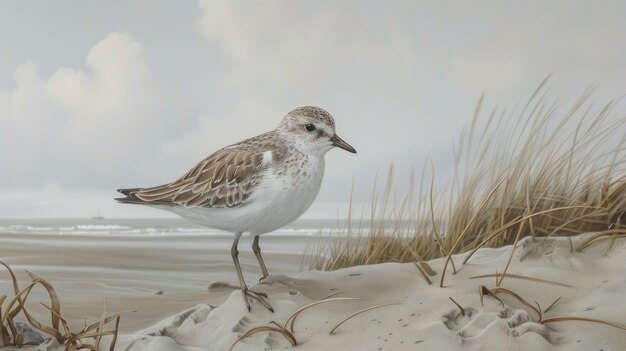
(278, 278)
(249, 295)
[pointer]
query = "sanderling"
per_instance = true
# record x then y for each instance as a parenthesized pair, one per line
(255, 186)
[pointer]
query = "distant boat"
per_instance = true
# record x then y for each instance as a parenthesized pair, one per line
(98, 216)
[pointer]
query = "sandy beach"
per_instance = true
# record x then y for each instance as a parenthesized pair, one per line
(589, 284)
(152, 268)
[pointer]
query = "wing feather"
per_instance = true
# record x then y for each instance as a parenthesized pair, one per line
(226, 178)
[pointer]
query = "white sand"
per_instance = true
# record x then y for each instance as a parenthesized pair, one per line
(426, 318)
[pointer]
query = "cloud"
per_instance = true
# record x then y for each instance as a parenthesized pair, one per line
(81, 127)
(524, 42)
(300, 47)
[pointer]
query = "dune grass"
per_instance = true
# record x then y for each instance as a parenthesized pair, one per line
(551, 167)
(88, 338)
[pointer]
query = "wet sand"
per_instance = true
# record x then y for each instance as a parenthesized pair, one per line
(156, 276)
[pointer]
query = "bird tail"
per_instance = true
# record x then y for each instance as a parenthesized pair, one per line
(131, 196)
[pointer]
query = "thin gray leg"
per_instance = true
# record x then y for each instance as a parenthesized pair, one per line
(257, 252)
(242, 283)
(235, 255)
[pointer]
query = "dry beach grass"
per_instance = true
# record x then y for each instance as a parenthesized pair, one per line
(550, 168)
(88, 338)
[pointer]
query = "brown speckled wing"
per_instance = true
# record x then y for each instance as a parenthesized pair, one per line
(226, 178)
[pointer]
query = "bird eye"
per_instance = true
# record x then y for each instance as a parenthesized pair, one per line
(309, 127)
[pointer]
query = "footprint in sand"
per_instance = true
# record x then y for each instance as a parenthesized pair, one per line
(474, 324)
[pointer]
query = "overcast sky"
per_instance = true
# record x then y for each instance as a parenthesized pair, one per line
(96, 96)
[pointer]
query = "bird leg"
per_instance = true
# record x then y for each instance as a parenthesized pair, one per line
(257, 252)
(242, 283)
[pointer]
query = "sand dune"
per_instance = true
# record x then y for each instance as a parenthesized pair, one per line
(424, 315)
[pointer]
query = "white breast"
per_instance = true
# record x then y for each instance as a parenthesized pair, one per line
(284, 195)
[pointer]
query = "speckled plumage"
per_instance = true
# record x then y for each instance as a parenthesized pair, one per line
(257, 185)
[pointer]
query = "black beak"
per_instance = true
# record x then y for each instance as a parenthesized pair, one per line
(338, 142)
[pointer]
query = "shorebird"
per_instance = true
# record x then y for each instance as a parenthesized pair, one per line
(255, 186)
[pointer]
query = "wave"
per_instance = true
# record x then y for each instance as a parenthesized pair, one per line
(138, 228)
(101, 227)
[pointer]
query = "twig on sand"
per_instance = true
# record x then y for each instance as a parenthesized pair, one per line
(551, 305)
(286, 330)
(537, 308)
(522, 277)
(459, 306)
(607, 234)
(424, 273)
(483, 290)
(332, 331)
(583, 319)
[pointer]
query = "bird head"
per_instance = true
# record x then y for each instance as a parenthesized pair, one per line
(312, 130)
